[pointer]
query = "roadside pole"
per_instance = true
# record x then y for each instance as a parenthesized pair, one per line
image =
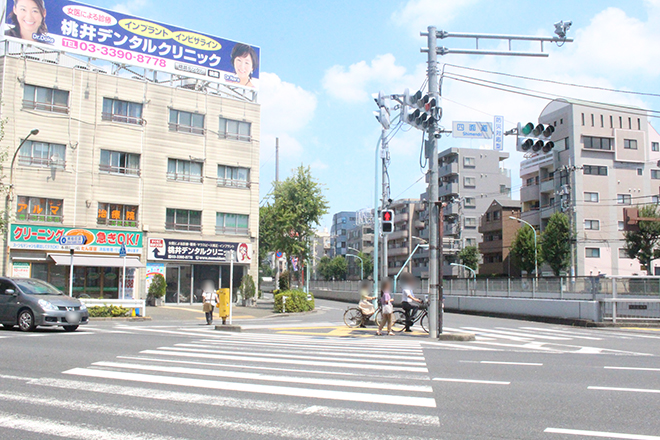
(122, 254)
(376, 214)
(231, 285)
(71, 251)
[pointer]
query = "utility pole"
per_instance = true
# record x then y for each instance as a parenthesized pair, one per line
(277, 160)
(435, 276)
(385, 156)
(381, 143)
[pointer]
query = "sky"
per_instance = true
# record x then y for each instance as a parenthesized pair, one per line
(321, 61)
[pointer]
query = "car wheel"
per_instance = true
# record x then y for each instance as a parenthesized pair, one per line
(26, 321)
(70, 328)
(8, 326)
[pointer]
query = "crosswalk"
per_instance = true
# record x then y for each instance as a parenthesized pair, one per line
(548, 339)
(256, 385)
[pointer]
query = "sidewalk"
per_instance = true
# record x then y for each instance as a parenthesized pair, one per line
(187, 312)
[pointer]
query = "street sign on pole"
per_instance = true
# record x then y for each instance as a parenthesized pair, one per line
(498, 133)
(122, 254)
(122, 251)
(72, 240)
(472, 130)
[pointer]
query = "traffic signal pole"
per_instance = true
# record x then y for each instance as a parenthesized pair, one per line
(381, 143)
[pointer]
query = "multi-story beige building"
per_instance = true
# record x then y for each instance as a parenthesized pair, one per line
(605, 158)
(405, 238)
(499, 230)
(170, 169)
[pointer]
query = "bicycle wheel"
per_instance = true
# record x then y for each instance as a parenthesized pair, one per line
(353, 317)
(424, 322)
(378, 317)
(399, 322)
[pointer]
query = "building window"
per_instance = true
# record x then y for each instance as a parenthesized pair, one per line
(186, 122)
(469, 182)
(184, 170)
(504, 189)
(592, 252)
(623, 254)
(655, 200)
(42, 155)
(469, 162)
(595, 143)
(112, 214)
(37, 209)
(231, 224)
(640, 171)
(655, 174)
(43, 98)
(470, 222)
(582, 119)
(183, 220)
(470, 242)
(595, 170)
(233, 176)
(592, 225)
(620, 226)
(591, 197)
(629, 123)
(629, 144)
(655, 146)
(122, 111)
(592, 120)
(497, 215)
(602, 121)
(611, 121)
(116, 162)
(639, 124)
(470, 202)
(623, 199)
(239, 130)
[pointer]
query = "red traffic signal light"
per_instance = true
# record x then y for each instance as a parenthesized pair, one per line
(387, 218)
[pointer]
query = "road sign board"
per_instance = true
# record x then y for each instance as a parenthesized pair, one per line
(72, 240)
(278, 254)
(472, 130)
(498, 133)
(122, 250)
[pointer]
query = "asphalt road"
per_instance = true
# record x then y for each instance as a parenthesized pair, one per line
(308, 377)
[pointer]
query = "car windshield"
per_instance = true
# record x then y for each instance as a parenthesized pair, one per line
(36, 287)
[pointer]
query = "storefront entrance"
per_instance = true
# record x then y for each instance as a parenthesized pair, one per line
(179, 280)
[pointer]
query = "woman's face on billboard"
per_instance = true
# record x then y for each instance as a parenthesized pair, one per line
(243, 66)
(29, 17)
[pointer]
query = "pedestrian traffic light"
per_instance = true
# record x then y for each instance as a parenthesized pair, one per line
(383, 116)
(387, 219)
(534, 138)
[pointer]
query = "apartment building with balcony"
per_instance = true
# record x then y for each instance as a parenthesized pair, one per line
(408, 224)
(499, 230)
(605, 158)
(468, 181)
(342, 222)
(360, 239)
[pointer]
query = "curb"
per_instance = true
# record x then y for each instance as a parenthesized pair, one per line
(457, 337)
(228, 328)
(123, 318)
(276, 315)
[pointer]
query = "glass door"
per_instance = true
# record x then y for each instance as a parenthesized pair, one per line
(172, 280)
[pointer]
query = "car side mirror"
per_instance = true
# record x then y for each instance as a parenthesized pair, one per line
(11, 292)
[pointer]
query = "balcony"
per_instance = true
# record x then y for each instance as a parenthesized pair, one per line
(548, 185)
(401, 218)
(530, 192)
(533, 217)
(447, 169)
(450, 229)
(419, 224)
(398, 252)
(449, 188)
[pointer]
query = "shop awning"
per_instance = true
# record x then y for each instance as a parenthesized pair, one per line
(88, 260)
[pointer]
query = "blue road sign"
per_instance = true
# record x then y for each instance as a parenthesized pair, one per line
(498, 133)
(278, 254)
(72, 240)
(122, 250)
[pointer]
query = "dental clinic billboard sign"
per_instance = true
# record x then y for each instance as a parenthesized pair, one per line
(100, 33)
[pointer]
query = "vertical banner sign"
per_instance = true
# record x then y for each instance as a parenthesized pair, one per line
(498, 133)
(80, 29)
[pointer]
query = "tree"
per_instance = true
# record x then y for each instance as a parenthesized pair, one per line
(642, 245)
(324, 269)
(522, 249)
(339, 268)
(288, 224)
(469, 256)
(556, 249)
(368, 260)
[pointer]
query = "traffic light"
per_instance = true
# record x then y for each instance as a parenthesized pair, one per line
(387, 220)
(383, 113)
(534, 138)
(420, 110)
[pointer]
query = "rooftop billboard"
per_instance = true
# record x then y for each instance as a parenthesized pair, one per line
(100, 33)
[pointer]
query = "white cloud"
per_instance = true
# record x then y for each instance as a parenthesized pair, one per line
(318, 165)
(285, 110)
(417, 15)
(130, 6)
(351, 84)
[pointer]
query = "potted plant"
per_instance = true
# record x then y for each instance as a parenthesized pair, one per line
(248, 290)
(157, 290)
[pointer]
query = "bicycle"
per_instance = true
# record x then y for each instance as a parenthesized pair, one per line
(421, 316)
(353, 318)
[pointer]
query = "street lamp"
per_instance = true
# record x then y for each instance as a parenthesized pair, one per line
(421, 245)
(536, 258)
(361, 265)
(474, 275)
(8, 198)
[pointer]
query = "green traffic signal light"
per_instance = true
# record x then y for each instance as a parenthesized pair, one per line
(527, 129)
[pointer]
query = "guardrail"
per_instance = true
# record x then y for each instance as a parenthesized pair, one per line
(137, 306)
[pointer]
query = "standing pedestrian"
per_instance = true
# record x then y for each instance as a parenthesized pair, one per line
(387, 308)
(408, 301)
(209, 300)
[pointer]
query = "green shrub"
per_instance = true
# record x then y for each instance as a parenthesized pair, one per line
(158, 286)
(296, 302)
(108, 312)
(284, 281)
(247, 289)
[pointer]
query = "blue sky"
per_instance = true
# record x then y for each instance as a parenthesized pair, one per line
(322, 60)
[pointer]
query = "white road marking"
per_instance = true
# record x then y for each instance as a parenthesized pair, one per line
(242, 403)
(385, 399)
(483, 382)
(67, 430)
(530, 364)
(632, 368)
(317, 347)
(223, 374)
(517, 332)
(573, 334)
(601, 434)
(261, 359)
(247, 426)
(627, 390)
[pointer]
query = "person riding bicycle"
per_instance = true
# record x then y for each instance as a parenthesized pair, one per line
(366, 306)
(409, 301)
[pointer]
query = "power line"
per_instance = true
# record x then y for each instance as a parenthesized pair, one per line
(606, 89)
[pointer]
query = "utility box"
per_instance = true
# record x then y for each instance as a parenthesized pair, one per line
(223, 304)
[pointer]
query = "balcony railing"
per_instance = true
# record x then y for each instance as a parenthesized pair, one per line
(55, 108)
(124, 119)
(186, 129)
(223, 230)
(231, 183)
(41, 162)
